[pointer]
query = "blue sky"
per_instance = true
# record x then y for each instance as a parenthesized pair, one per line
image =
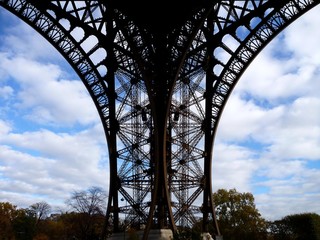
(52, 141)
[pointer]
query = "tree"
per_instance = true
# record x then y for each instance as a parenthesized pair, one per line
(237, 216)
(90, 208)
(91, 201)
(8, 213)
(41, 210)
(279, 230)
(24, 225)
(305, 226)
(15, 223)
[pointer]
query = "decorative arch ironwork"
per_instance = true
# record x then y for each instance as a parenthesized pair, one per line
(160, 94)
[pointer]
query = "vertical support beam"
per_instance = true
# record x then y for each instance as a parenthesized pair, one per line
(160, 209)
(208, 204)
(113, 199)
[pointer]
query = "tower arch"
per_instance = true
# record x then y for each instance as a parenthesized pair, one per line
(160, 95)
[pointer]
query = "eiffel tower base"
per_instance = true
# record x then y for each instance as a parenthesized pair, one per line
(154, 234)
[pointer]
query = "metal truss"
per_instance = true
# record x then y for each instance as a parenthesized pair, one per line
(160, 94)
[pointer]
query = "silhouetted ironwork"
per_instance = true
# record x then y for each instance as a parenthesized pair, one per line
(160, 75)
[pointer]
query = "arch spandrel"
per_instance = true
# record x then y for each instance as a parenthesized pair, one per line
(201, 61)
(72, 40)
(274, 19)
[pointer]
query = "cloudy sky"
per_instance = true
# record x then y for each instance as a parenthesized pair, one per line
(268, 142)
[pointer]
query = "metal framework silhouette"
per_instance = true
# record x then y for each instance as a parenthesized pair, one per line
(160, 75)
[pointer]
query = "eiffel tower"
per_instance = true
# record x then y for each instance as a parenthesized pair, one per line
(160, 74)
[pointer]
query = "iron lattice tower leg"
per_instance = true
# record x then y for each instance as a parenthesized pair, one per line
(160, 92)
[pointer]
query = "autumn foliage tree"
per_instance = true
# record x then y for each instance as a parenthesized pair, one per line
(238, 217)
(8, 213)
(84, 222)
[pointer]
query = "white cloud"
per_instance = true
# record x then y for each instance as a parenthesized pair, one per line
(302, 37)
(6, 92)
(48, 98)
(4, 128)
(233, 167)
(20, 39)
(243, 118)
(50, 164)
